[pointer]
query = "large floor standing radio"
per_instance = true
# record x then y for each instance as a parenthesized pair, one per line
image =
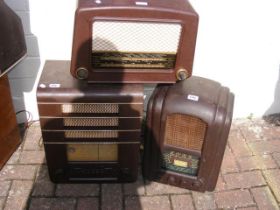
(91, 133)
(187, 129)
(9, 132)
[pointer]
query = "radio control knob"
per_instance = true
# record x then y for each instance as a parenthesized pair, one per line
(182, 74)
(82, 73)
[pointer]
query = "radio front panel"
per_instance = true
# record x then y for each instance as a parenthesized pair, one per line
(87, 162)
(184, 145)
(91, 133)
(135, 45)
(129, 43)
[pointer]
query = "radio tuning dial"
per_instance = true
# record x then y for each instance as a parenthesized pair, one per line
(82, 73)
(182, 74)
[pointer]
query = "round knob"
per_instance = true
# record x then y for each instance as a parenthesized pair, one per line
(182, 74)
(82, 73)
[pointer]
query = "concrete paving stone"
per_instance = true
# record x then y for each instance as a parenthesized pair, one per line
(20, 188)
(248, 208)
(52, 204)
(273, 179)
(32, 138)
(264, 198)
(252, 133)
(204, 201)
(260, 122)
(229, 164)
(155, 188)
(2, 202)
(264, 147)
(239, 145)
(88, 204)
(44, 188)
(4, 188)
(276, 157)
(235, 134)
(15, 157)
(18, 195)
(135, 188)
(147, 203)
(233, 199)
(42, 185)
(221, 185)
(242, 122)
(21, 172)
(77, 190)
(260, 162)
(244, 180)
(254, 145)
(234, 126)
(41, 203)
(260, 130)
(182, 202)
(111, 197)
(271, 132)
(32, 157)
(42, 174)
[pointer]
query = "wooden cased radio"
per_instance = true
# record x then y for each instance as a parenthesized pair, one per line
(91, 132)
(125, 41)
(187, 129)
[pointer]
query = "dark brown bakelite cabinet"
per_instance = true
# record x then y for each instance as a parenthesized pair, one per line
(134, 41)
(187, 129)
(91, 132)
(9, 132)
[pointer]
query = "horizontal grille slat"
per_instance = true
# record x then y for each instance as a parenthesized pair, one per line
(91, 134)
(90, 108)
(102, 122)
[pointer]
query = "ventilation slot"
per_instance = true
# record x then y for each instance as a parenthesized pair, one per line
(102, 122)
(185, 131)
(90, 108)
(91, 134)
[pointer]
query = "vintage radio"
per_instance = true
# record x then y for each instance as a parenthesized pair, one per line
(187, 129)
(91, 133)
(9, 131)
(133, 41)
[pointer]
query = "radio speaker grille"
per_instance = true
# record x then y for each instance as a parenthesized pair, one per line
(131, 36)
(103, 122)
(90, 108)
(185, 131)
(91, 134)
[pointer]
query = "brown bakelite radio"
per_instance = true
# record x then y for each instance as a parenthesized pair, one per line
(91, 132)
(141, 41)
(187, 130)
